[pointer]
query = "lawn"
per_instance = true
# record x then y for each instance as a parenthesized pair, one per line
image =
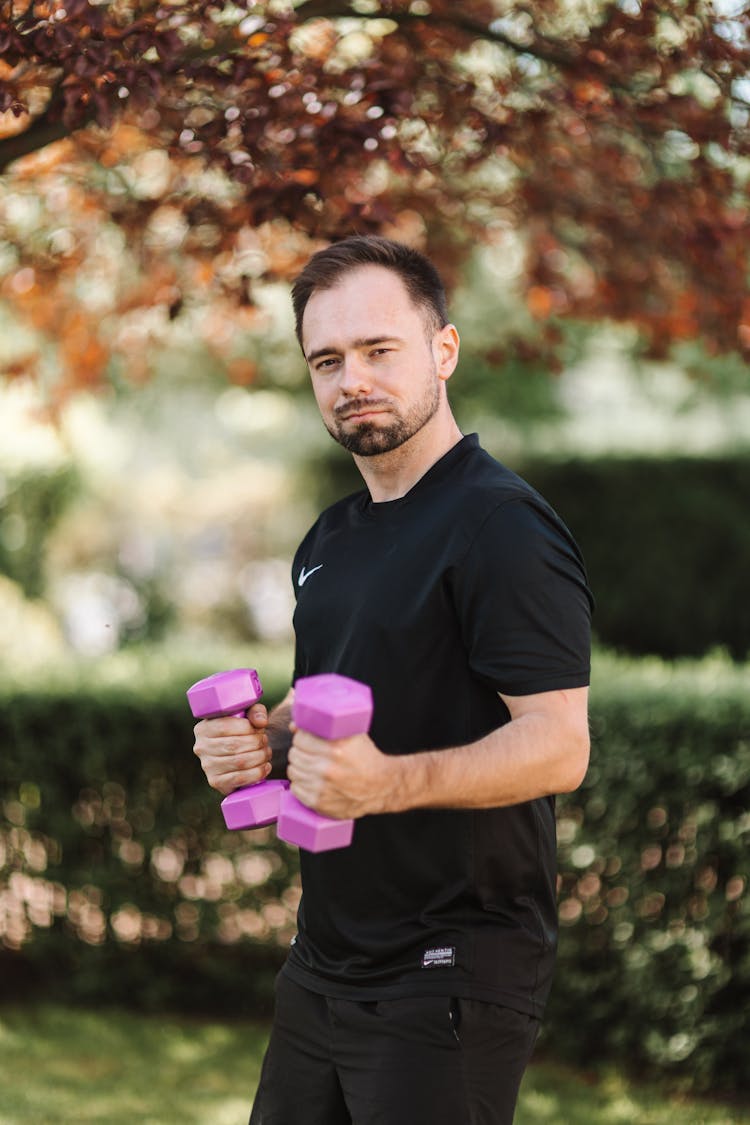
(65, 1065)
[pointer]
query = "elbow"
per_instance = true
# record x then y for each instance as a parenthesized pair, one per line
(576, 762)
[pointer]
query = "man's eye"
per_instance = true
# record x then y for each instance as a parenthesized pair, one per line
(326, 364)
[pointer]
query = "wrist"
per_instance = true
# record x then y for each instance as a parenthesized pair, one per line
(397, 783)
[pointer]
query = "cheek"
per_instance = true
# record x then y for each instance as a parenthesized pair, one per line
(324, 394)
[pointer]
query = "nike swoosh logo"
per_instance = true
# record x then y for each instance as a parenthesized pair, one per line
(305, 574)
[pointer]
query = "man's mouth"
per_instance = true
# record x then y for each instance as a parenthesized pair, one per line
(361, 413)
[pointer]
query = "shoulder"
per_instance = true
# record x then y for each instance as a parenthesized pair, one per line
(480, 476)
(528, 535)
(494, 498)
(512, 528)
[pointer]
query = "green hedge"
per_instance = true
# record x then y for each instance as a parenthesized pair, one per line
(654, 964)
(120, 878)
(119, 882)
(667, 547)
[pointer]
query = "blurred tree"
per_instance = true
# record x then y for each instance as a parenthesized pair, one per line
(162, 158)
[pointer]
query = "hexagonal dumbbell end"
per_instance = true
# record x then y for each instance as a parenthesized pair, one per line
(330, 706)
(254, 806)
(225, 693)
(233, 693)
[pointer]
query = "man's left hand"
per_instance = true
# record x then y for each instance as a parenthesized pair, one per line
(347, 777)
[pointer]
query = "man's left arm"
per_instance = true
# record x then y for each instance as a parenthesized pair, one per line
(543, 750)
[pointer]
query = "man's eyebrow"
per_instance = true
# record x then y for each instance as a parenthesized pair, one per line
(363, 342)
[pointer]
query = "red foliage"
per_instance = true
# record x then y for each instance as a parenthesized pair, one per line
(224, 141)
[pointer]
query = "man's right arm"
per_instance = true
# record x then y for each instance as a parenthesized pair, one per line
(243, 751)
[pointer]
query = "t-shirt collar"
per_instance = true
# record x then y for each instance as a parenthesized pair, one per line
(437, 472)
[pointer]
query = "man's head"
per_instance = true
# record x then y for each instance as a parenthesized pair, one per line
(418, 275)
(372, 326)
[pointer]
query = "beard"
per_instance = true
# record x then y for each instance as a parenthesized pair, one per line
(369, 439)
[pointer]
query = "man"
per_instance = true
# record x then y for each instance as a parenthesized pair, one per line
(413, 992)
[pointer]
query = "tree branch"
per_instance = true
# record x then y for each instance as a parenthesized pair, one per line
(332, 10)
(39, 134)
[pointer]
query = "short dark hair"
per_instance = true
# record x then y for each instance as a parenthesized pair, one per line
(421, 280)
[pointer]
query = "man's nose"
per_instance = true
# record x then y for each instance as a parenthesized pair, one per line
(354, 377)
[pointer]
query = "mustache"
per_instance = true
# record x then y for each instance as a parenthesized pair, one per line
(359, 405)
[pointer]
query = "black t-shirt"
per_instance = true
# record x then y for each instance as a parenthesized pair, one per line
(467, 586)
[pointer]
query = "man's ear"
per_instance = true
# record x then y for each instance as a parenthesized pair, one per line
(446, 344)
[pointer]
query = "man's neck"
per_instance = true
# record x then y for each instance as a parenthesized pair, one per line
(389, 476)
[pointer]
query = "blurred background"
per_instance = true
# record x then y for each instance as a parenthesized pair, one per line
(168, 515)
(579, 174)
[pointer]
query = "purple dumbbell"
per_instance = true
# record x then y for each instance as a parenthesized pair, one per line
(330, 706)
(232, 693)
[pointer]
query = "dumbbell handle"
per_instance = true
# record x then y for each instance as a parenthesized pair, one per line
(232, 693)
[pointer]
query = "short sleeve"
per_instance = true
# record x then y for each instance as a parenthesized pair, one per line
(523, 602)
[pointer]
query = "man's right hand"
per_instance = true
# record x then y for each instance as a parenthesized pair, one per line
(234, 751)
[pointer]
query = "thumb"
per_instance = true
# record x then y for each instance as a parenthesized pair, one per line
(258, 715)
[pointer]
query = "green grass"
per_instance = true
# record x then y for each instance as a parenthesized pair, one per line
(65, 1065)
(552, 1094)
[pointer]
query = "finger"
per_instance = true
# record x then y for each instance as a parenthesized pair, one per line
(308, 770)
(222, 727)
(242, 752)
(306, 792)
(224, 758)
(299, 769)
(248, 744)
(246, 775)
(245, 758)
(301, 762)
(310, 743)
(228, 773)
(238, 779)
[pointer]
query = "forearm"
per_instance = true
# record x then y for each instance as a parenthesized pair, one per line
(279, 736)
(532, 756)
(542, 750)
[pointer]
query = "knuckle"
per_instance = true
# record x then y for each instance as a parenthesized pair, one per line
(236, 746)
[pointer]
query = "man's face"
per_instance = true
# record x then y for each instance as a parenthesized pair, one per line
(377, 368)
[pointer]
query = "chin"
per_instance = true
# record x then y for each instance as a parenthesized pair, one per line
(370, 441)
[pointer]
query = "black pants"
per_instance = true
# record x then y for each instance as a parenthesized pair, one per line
(416, 1061)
